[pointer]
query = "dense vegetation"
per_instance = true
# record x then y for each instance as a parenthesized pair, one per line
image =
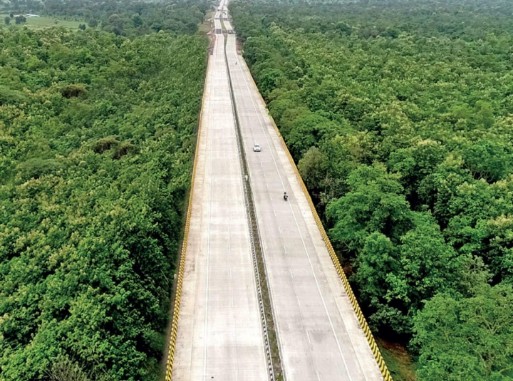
(399, 115)
(122, 17)
(96, 143)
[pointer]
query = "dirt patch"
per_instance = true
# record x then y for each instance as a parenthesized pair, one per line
(399, 361)
(239, 46)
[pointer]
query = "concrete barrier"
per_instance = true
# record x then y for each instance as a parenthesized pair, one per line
(181, 266)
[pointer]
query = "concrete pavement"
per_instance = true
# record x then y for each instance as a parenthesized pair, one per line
(219, 329)
(319, 334)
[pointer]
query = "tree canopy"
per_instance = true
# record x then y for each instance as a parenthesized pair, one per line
(398, 114)
(126, 17)
(469, 338)
(97, 137)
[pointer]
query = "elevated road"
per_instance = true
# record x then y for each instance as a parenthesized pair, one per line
(219, 334)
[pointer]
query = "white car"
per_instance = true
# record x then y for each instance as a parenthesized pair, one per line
(257, 148)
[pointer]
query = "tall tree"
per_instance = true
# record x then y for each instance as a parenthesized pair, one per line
(466, 338)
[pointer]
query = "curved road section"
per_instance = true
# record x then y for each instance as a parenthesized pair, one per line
(219, 330)
(318, 332)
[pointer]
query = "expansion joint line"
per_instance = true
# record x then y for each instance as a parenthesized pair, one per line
(272, 351)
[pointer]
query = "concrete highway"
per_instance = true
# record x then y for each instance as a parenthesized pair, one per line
(219, 332)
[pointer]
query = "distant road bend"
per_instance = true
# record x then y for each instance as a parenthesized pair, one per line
(225, 304)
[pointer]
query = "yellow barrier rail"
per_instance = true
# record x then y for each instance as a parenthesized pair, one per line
(349, 291)
(181, 266)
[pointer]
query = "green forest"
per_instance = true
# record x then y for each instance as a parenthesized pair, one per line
(97, 136)
(121, 17)
(399, 115)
